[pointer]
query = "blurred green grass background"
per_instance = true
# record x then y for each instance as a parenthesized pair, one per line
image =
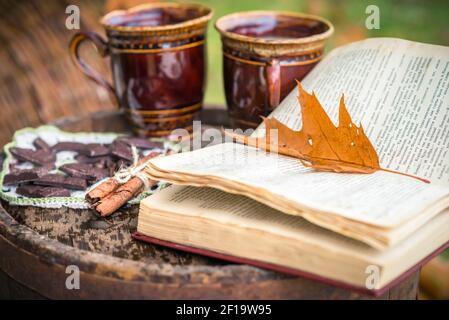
(416, 20)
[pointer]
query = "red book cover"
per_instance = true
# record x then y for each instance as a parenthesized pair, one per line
(287, 270)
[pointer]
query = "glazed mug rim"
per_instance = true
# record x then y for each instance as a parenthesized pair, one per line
(290, 41)
(105, 20)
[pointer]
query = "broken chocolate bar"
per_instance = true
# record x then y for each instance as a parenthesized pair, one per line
(102, 162)
(58, 180)
(94, 162)
(141, 143)
(121, 150)
(94, 150)
(68, 146)
(99, 162)
(39, 157)
(85, 171)
(48, 166)
(39, 143)
(24, 175)
(33, 191)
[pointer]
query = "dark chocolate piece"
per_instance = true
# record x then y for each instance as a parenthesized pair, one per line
(105, 163)
(24, 175)
(39, 157)
(68, 146)
(121, 150)
(94, 150)
(102, 161)
(39, 143)
(48, 166)
(58, 180)
(33, 191)
(81, 158)
(85, 171)
(141, 143)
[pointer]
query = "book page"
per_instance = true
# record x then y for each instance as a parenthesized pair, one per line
(187, 215)
(398, 90)
(382, 199)
(238, 210)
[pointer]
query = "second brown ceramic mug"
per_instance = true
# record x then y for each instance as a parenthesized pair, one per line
(158, 62)
(263, 53)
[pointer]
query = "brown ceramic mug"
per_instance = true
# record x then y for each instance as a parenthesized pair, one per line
(158, 61)
(263, 53)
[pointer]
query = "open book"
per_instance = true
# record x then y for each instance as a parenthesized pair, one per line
(399, 91)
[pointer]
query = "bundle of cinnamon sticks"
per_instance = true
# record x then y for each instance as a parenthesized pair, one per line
(110, 195)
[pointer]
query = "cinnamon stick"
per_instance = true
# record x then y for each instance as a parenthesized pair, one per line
(112, 196)
(119, 197)
(110, 185)
(102, 190)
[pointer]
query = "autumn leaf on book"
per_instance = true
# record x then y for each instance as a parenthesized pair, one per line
(320, 144)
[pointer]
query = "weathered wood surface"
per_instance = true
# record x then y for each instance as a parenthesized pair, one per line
(37, 245)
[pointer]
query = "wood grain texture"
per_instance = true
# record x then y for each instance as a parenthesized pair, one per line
(36, 260)
(38, 82)
(38, 244)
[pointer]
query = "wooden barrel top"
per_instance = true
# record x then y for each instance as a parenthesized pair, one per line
(37, 245)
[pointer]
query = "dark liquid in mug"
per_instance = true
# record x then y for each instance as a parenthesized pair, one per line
(154, 17)
(245, 84)
(160, 79)
(270, 28)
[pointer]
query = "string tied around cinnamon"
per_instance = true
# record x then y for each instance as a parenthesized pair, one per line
(123, 175)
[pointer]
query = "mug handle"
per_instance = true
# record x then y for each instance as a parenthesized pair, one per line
(102, 48)
(273, 78)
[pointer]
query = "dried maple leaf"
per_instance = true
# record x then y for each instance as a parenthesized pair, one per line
(320, 144)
